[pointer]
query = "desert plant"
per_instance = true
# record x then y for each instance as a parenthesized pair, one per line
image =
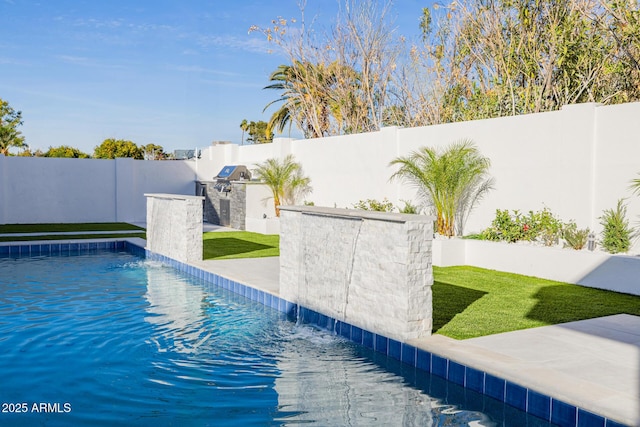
(374, 205)
(450, 181)
(574, 237)
(285, 179)
(616, 232)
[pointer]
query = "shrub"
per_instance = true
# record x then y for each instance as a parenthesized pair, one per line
(509, 227)
(542, 226)
(574, 237)
(374, 205)
(616, 233)
(546, 227)
(409, 208)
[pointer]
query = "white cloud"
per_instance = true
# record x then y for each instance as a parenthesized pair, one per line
(12, 61)
(251, 44)
(84, 61)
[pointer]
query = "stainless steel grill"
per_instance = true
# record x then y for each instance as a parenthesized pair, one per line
(228, 174)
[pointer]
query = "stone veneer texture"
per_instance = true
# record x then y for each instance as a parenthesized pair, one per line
(237, 203)
(369, 269)
(174, 226)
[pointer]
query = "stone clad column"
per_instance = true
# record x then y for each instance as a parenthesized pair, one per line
(369, 269)
(174, 226)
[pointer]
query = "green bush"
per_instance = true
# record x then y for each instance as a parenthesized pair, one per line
(540, 226)
(546, 227)
(374, 205)
(574, 237)
(409, 208)
(505, 227)
(616, 232)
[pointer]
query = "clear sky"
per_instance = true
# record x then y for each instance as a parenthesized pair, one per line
(178, 73)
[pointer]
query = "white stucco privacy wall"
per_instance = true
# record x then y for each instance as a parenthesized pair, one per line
(577, 162)
(617, 158)
(37, 190)
(537, 160)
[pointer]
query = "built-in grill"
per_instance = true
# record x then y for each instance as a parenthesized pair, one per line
(228, 174)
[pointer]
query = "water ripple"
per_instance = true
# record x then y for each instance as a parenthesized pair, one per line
(131, 342)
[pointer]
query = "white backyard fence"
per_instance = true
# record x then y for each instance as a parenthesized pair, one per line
(577, 162)
(52, 190)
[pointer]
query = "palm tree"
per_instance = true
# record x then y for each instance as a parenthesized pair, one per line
(635, 186)
(306, 97)
(285, 179)
(451, 181)
(244, 125)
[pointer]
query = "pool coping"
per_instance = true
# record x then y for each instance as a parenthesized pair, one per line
(529, 400)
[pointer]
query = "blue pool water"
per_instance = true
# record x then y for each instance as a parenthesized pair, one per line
(112, 339)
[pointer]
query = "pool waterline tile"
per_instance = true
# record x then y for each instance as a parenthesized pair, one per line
(563, 413)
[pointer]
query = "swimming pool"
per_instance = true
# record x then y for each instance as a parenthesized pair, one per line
(109, 338)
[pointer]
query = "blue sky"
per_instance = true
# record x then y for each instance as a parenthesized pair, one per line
(180, 74)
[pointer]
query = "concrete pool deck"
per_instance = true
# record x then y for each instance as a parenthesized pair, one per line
(593, 364)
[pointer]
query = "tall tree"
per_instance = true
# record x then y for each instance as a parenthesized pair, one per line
(65, 151)
(259, 132)
(285, 179)
(153, 152)
(482, 59)
(10, 136)
(336, 84)
(244, 125)
(450, 181)
(305, 97)
(112, 148)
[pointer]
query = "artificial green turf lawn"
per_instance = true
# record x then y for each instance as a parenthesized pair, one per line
(239, 244)
(44, 228)
(71, 237)
(471, 302)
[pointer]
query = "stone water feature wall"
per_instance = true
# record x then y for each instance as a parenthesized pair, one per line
(370, 269)
(174, 226)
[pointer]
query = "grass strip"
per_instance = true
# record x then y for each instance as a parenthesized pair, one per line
(71, 227)
(239, 244)
(471, 302)
(71, 237)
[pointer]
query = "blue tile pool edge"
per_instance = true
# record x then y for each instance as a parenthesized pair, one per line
(523, 398)
(65, 247)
